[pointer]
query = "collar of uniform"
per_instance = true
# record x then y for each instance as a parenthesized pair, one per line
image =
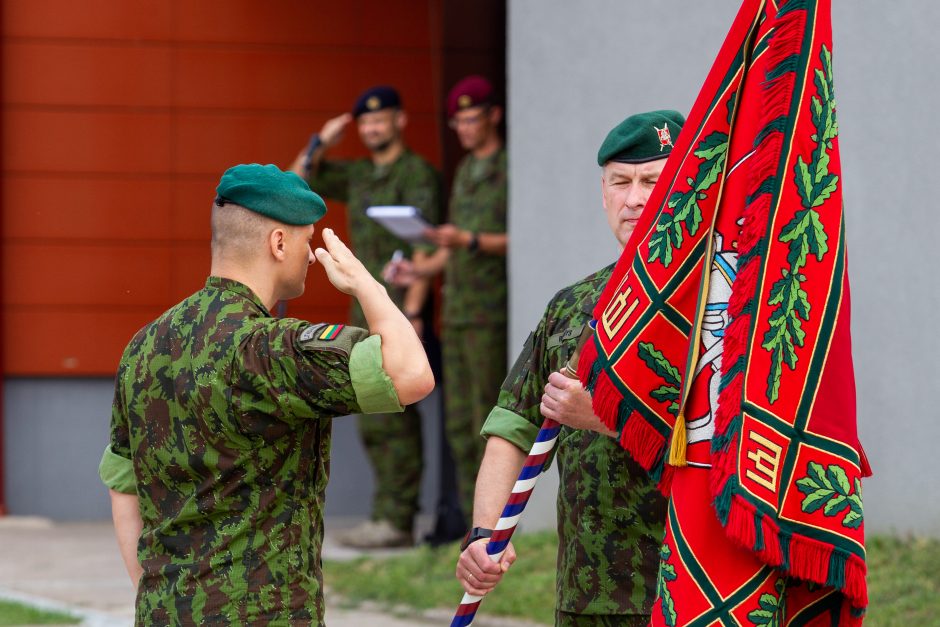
(599, 279)
(382, 171)
(237, 288)
(482, 168)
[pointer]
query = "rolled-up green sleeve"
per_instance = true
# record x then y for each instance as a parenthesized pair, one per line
(374, 390)
(510, 426)
(117, 472)
(515, 429)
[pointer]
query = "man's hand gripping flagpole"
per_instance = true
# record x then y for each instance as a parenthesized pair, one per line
(521, 491)
(512, 512)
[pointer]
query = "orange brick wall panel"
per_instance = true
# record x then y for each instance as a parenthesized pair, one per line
(421, 135)
(208, 143)
(324, 80)
(64, 341)
(191, 207)
(86, 74)
(319, 312)
(50, 274)
(58, 141)
(96, 208)
(319, 293)
(335, 219)
(385, 24)
(131, 109)
(355, 70)
(189, 267)
(88, 19)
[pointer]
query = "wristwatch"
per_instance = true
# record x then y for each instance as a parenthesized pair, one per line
(477, 533)
(474, 244)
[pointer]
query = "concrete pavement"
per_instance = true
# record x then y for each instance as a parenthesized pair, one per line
(75, 567)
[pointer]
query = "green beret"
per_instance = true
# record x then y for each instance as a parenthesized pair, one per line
(642, 137)
(266, 189)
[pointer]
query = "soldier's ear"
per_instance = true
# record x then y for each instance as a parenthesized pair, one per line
(401, 120)
(277, 243)
(495, 114)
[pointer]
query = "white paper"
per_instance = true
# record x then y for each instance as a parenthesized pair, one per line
(403, 221)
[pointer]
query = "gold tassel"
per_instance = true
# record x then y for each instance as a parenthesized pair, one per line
(678, 444)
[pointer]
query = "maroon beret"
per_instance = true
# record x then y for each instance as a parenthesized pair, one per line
(471, 91)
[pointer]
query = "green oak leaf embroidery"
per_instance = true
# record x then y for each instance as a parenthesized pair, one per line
(804, 234)
(686, 211)
(667, 573)
(668, 393)
(770, 610)
(830, 490)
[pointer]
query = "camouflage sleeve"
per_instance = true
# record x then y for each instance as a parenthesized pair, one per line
(116, 468)
(310, 371)
(503, 421)
(331, 180)
(501, 192)
(521, 393)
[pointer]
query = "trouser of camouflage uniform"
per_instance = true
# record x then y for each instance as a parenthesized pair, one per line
(474, 368)
(566, 619)
(394, 446)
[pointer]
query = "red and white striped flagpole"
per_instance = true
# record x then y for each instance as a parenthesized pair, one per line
(512, 512)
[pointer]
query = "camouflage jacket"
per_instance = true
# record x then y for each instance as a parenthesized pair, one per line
(221, 426)
(475, 290)
(410, 180)
(610, 515)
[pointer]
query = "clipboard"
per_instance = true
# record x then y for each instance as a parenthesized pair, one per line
(402, 221)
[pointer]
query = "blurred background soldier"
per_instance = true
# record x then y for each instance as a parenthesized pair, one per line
(392, 175)
(472, 255)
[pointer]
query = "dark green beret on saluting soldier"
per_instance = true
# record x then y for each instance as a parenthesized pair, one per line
(642, 137)
(268, 190)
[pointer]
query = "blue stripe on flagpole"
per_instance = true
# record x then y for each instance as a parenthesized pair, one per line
(462, 621)
(530, 471)
(493, 548)
(547, 434)
(512, 510)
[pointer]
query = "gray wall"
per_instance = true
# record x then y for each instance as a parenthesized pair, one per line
(577, 68)
(56, 429)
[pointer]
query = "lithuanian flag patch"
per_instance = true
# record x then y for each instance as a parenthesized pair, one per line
(330, 332)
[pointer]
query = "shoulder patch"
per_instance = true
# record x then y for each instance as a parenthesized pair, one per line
(308, 333)
(330, 332)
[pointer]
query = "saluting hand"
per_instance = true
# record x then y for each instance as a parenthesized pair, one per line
(332, 131)
(477, 572)
(345, 272)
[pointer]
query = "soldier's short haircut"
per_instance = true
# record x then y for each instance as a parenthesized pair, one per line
(237, 232)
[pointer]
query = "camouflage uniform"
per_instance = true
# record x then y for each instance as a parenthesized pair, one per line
(393, 443)
(474, 316)
(610, 515)
(221, 424)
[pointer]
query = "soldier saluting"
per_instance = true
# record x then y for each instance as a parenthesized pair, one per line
(392, 175)
(220, 430)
